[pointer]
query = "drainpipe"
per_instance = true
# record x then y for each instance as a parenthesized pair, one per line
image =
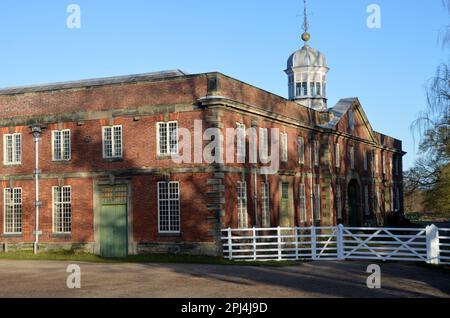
(254, 146)
(36, 131)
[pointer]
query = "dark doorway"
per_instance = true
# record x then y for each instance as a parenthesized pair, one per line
(354, 215)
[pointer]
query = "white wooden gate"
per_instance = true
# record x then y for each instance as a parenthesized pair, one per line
(431, 245)
(444, 246)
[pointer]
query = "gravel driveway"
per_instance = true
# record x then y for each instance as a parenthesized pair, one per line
(318, 279)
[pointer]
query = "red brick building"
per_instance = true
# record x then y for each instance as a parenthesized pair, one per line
(107, 182)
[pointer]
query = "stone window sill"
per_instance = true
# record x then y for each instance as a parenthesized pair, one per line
(112, 160)
(61, 236)
(12, 235)
(62, 162)
(163, 157)
(164, 235)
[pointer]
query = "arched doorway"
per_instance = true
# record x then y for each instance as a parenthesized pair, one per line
(353, 193)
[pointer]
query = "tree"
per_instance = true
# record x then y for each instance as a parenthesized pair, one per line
(431, 172)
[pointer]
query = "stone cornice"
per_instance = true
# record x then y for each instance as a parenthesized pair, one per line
(227, 103)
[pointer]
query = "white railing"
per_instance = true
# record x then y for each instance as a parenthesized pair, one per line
(431, 245)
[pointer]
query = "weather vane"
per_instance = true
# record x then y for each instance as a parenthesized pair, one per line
(305, 36)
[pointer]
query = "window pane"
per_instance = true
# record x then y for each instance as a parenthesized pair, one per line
(62, 209)
(162, 129)
(169, 207)
(107, 142)
(9, 148)
(173, 137)
(313, 88)
(117, 151)
(17, 148)
(13, 210)
(57, 145)
(242, 204)
(298, 91)
(66, 145)
(284, 150)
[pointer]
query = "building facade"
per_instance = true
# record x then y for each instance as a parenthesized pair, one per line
(110, 180)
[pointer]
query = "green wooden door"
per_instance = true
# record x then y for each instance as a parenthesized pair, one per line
(353, 213)
(113, 221)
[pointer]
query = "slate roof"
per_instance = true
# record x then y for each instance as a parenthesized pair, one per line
(92, 82)
(339, 111)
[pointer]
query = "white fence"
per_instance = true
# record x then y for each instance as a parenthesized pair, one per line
(430, 244)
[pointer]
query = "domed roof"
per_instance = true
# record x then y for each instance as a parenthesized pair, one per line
(307, 56)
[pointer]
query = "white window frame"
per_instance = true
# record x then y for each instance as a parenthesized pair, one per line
(13, 205)
(169, 212)
(265, 204)
(284, 147)
(241, 143)
(169, 151)
(302, 203)
(61, 203)
(114, 153)
(16, 145)
(242, 202)
(264, 144)
(66, 149)
(301, 150)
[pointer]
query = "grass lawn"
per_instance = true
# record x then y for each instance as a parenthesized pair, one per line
(427, 217)
(148, 258)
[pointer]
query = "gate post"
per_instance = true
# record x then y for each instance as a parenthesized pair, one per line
(279, 243)
(313, 243)
(254, 244)
(340, 242)
(433, 253)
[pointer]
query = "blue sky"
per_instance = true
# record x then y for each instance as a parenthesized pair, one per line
(250, 40)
